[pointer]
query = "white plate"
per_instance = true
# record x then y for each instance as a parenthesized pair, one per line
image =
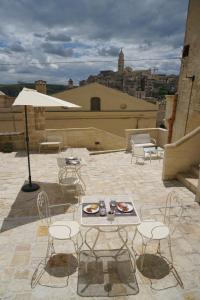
(74, 162)
(129, 208)
(90, 212)
(72, 158)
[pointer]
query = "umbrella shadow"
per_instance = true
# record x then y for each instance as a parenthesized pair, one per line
(24, 209)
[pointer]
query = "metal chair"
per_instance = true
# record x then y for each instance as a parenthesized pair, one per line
(143, 140)
(139, 154)
(161, 228)
(76, 165)
(60, 230)
(70, 181)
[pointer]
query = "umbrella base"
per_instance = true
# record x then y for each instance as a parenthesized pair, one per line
(30, 187)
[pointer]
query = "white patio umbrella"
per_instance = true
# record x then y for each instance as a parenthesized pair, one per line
(33, 98)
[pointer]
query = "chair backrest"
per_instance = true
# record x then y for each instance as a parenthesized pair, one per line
(61, 162)
(141, 138)
(138, 151)
(65, 173)
(43, 207)
(173, 211)
(54, 138)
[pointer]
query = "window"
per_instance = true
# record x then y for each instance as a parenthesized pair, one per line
(95, 104)
(123, 106)
(186, 50)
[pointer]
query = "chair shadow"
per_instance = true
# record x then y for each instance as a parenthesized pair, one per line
(24, 209)
(154, 266)
(159, 271)
(60, 265)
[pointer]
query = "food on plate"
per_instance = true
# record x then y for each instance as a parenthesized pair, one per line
(123, 206)
(92, 207)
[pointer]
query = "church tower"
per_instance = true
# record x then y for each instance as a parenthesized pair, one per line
(121, 62)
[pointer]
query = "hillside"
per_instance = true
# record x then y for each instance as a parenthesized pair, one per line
(13, 90)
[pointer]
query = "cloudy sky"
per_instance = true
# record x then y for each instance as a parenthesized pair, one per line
(38, 37)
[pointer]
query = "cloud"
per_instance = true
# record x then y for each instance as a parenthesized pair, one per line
(57, 37)
(110, 51)
(57, 49)
(88, 30)
(38, 35)
(16, 47)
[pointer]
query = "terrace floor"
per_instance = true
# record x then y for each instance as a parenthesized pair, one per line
(23, 239)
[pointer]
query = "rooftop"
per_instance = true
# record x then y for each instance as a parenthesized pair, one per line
(23, 238)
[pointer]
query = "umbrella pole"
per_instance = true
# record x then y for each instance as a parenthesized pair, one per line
(29, 187)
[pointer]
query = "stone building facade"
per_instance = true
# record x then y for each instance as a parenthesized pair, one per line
(188, 105)
(139, 83)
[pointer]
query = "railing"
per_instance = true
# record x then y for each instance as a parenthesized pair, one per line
(197, 197)
(159, 134)
(179, 156)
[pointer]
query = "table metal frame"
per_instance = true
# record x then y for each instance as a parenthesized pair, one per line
(101, 224)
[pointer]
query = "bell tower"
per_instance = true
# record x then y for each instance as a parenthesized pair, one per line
(121, 62)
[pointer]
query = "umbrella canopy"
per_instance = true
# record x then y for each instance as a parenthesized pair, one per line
(34, 98)
(31, 97)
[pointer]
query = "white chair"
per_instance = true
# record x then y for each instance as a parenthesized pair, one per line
(51, 141)
(143, 140)
(69, 181)
(161, 228)
(139, 154)
(58, 230)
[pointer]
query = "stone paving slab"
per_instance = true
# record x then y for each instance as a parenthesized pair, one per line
(23, 237)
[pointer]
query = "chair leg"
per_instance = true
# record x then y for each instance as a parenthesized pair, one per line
(144, 245)
(50, 249)
(170, 250)
(133, 242)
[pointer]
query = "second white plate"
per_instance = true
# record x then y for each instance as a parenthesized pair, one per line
(129, 208)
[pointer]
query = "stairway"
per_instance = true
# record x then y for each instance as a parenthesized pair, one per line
(190, 178)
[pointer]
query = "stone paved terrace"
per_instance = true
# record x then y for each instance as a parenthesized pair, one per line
(23, 239)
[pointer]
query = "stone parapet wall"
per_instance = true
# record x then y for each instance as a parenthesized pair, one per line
(159, 134)
(90, 138)
(179, 156)
(15, 138)
(111, 121)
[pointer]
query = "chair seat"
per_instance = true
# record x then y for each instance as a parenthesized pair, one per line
(63, 230)
(153, 230)
(50, 143)
(70, 181)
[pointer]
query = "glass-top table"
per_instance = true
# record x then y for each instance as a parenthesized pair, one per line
(103, 224)
(157, 152)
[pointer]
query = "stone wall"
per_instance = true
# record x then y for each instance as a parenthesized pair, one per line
(14, 138)
(90, 138)
(114, 122)
(179, 156)
(188, 107)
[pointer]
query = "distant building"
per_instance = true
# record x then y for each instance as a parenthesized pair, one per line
(139, 83)
(104, 108)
